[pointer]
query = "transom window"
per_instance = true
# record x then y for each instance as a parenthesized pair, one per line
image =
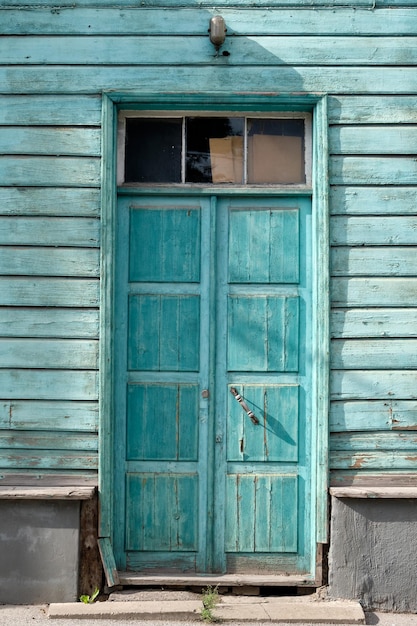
(214, 149)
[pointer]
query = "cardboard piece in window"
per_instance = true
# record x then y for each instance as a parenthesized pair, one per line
(275, 159)
(227, 159)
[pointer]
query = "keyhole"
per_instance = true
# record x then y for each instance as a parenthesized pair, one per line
(241, 446)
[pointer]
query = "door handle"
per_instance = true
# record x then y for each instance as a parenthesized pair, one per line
(244, 406)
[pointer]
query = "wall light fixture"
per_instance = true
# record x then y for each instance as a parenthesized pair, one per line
(217, 31)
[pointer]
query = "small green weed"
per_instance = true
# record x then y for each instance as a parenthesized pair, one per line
(210, 599)
(90, 599)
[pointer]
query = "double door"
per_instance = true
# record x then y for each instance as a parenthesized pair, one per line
(213, 385)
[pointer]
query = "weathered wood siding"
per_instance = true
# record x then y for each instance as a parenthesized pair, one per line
(55, 61)
(49, 277)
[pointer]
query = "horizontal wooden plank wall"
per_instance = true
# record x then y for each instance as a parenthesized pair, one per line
(56, 59)
(49, 283)
(373, 282)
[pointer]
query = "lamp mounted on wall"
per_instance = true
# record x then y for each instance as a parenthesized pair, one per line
(217, 31)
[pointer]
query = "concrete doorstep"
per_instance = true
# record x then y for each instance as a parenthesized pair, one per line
(228, 609)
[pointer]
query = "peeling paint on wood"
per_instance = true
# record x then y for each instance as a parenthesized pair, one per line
(50, 177)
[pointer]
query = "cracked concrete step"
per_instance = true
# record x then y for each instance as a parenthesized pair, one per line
(274, 610)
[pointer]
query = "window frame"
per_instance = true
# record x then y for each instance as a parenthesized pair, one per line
(123, 115)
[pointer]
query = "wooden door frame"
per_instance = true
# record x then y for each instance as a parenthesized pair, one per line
(317, 105)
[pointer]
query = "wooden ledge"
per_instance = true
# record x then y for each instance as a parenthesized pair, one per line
(46, 487)
(45, 492)
(393, 492)
(201, 580)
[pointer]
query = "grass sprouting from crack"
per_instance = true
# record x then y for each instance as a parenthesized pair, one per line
(90, 599)
(210, 599)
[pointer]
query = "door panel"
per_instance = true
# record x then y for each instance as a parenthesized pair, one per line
(173, 236)
(161, 422)
(213, 294)
(267, 360)
(272, 318)
(161, 430)
(164, 332)
(263, 245)
(261, 513)
(163, 512)
(277, 408)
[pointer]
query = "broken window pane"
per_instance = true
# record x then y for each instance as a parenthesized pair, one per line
(214, 150)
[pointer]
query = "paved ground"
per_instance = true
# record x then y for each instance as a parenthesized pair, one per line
(38, 616)
(130, 607)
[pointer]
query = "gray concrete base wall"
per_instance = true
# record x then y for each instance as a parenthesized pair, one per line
(373, 553)
(39, 547)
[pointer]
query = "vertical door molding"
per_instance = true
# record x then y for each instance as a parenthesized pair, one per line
(321, 328)
(107, 255)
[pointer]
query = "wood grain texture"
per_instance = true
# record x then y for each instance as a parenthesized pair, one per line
(375, 460)
(41, 110)
(172, 501)
(369, 479)
(375, 322)
(53, 201)
(49, 262)
(376, 139)
(370, 441)
(58, 140)
(366, 292)
(88, 80)
(191, 21)
(379, 109)
(49, 353)
(51, 231)
(373, 385)
(376, 415)
(22, 440)
(45, 480)
(54, 63)
(377, 261)
(26, 384)
(374, 492)
(38, 322)
(106, 366)
(47, 170)
(178, 440)
(163, 333)
(49, 292)
(33, 460)
(374, 354)
(268, 402)
(46, 493)
(197, 50)
(252, 303)
(49, 415)
(374, 230)
(377, 201)
(373, 170)
(259, 505)
(237, 3)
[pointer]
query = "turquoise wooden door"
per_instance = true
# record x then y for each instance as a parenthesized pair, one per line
(213, 369)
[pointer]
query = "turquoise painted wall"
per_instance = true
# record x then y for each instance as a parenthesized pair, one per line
(54, 63)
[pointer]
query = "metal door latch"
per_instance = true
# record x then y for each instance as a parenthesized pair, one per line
(243, 404)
